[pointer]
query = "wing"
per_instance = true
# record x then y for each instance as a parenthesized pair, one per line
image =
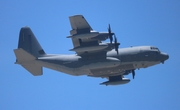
(84, 39)
(79, 25)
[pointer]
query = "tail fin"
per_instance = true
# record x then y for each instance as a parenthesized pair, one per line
(28, 51)
(29, 43)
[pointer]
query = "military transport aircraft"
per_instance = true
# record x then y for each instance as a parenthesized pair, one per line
(93, 57)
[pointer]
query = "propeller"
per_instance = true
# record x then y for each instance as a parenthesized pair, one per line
(133, 74)
(116, 44)
(110, 34)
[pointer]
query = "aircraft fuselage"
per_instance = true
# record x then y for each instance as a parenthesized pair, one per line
(128, 59)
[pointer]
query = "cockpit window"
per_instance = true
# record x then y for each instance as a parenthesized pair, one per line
(154, 48)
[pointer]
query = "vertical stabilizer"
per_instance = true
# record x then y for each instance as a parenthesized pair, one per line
(29, 43)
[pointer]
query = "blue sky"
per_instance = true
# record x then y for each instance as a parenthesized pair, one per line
(155, 22)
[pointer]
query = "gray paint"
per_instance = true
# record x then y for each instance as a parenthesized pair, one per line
(102, 62)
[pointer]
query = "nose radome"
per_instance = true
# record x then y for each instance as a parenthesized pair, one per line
(165, 56)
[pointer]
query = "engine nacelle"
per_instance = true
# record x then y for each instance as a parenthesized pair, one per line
(116, 82)
(83, 36)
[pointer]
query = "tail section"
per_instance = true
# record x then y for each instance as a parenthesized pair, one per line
(28, 61)
(28, 51)
(29, 43)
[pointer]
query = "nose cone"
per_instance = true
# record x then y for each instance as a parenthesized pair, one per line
(164, 56)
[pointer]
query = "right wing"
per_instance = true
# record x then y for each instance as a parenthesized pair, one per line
(84, 46)
(79, 25)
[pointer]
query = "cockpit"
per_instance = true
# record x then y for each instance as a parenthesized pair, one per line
(155, 48)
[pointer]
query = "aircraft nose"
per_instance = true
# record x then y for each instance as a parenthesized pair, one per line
(164, 56)
(167, 56)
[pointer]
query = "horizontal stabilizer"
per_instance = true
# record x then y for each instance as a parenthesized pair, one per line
(27, 61)
(22, 55)
(33, 69)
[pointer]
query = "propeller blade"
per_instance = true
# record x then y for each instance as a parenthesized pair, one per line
(133, 74)
(109, 27)
(115, 39)
(116, 44)
(110, 34)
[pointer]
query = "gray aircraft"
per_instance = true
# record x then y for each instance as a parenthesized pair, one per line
(93, 57)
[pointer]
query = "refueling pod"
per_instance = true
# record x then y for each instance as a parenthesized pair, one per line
(116, 80)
